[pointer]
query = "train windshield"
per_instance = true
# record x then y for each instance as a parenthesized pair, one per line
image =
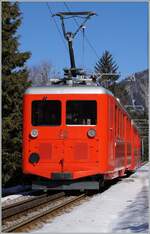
(46, 113)
(81, 112)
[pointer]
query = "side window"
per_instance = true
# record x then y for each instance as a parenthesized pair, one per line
(81, 112)
(128, 129)
(123, 119)
(122, 125)
(46, 113)
(116, 121)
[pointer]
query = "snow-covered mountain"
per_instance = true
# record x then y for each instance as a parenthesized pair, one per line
(136, 87)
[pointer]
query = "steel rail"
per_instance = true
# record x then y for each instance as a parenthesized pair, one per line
(19, 207)
(36, 216)
(5, 207)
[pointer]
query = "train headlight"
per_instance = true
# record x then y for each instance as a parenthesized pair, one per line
(34, 133)
(91, 133)
(34, 158)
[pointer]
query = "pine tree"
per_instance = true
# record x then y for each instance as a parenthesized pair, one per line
(106, 64)
(14, 82)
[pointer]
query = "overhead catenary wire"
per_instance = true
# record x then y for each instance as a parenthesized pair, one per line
(86, 38)
(57, 27)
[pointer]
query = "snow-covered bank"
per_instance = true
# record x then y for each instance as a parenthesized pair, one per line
(12, 193)
(122, 208)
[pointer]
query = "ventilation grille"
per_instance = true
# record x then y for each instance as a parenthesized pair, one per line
(45, 151)
(81, 151)
(120, 150)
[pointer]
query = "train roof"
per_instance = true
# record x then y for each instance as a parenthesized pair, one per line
(68, 90)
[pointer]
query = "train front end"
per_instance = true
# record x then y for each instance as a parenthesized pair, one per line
(63, 137)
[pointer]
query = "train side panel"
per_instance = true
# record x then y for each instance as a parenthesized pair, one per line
(116, 140)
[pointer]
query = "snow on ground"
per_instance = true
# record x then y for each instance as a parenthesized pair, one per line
(10, 197)
(122, 208)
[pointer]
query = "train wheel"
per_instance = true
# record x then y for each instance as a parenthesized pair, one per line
(91, 192)
(101, 184)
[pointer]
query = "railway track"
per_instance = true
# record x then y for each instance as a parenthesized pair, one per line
(19, 215)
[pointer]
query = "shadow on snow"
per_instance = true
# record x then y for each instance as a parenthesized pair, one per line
(135, 216)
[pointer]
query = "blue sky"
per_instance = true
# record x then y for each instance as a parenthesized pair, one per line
(121, 28)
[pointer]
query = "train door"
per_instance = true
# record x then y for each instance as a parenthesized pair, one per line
(81, 142)
(133, 147)
(111, 132)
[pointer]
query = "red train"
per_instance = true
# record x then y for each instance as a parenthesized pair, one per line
(77, 137)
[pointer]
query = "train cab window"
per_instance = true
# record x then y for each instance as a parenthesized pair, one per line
(46, 113)
(81, 112)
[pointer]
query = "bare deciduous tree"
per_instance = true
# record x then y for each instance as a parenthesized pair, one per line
(40, 74)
